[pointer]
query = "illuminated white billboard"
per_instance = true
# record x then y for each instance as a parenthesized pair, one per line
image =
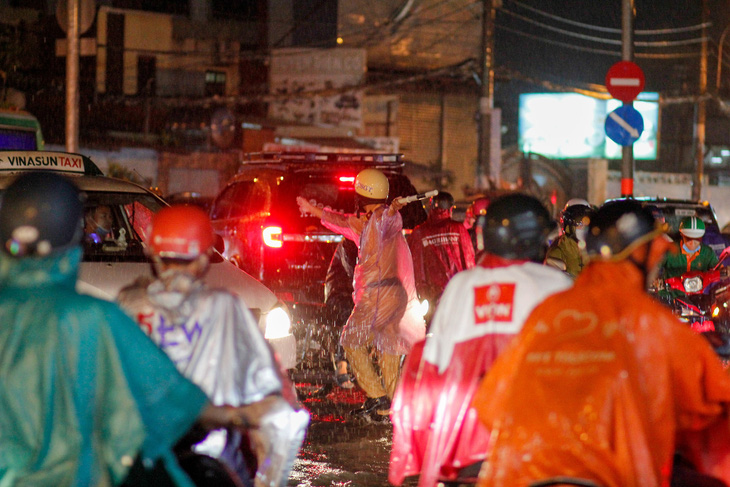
(571, 126)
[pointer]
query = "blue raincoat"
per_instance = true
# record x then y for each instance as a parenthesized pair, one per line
(84, 391)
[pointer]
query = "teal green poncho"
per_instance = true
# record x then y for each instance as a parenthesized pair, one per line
(82, 388)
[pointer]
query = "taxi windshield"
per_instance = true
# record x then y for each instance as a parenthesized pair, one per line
(115, 226)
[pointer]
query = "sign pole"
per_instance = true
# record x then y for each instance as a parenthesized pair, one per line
(627, 54)
(701, 114)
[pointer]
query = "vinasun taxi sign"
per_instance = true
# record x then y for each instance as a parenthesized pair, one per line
(41, 160)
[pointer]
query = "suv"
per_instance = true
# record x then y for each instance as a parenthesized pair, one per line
(266, 235)
(109, 265)
(674, 211)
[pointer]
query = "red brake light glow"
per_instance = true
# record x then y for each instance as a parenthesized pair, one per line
(347, 179)
(272, 237)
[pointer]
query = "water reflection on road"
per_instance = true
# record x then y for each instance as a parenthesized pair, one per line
(339, 451)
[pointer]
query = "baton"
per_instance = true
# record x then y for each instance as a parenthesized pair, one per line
(417, 197)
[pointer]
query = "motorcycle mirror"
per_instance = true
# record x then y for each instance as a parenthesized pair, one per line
(723, 255)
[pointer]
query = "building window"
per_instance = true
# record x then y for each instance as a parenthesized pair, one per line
(146, 75)
(215, 83)
(242, 10)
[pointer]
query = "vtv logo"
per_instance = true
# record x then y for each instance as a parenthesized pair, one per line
(493, 302)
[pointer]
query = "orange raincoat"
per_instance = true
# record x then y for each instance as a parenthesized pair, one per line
(604, 384)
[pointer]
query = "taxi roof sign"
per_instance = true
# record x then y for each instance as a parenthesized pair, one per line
(65, 162)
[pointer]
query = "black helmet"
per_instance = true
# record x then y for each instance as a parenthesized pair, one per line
(442, 201)
(618, 228)
(516, 227)
(41, 213)
(574, 216)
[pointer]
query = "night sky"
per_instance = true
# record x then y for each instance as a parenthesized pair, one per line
(544, 56)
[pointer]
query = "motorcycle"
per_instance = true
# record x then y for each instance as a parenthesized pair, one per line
(702, 300)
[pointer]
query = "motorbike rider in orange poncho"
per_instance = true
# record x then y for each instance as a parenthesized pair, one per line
(435, 431)
(603, 383)
(386, 314)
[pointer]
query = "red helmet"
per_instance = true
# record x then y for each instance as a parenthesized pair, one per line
(478, 207)
(180, 232)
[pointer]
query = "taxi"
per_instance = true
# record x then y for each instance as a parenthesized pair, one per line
(108, 266)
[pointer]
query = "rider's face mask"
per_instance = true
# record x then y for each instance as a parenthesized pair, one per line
(691, 245)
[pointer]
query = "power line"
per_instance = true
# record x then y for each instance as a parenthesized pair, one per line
(593, 50)
(272, 97)
(373, 31)
(440, 18)
(612, 30)
(615, 42)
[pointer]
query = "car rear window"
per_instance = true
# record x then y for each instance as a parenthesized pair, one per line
(324, 191)
(329, 194)
(675, 214)
(242, 199)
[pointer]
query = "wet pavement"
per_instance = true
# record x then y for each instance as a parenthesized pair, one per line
(338, 450)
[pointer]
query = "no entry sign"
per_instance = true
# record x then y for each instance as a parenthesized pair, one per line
(625, 80)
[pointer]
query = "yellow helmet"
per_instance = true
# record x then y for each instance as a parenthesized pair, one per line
(372, 184)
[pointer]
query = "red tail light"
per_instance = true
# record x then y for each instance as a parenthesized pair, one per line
(272, 236)
(347, 182)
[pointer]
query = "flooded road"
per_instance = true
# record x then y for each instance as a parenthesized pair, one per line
(339, 451)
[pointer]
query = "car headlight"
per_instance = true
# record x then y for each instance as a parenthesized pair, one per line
(693, 284)
(423, 307)
(278, 323)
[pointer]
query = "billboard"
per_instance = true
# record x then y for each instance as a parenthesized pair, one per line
(571, 126)
(310, 85)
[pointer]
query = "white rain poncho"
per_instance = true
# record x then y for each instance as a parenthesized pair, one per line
(214, 340)
(386, 304)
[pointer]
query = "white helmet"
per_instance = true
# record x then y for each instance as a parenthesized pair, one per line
(372, 184)
(576, 201)
(692, 227)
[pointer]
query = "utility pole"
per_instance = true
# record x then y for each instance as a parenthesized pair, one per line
(72, 77)
(489, 136)
(74, 17)
(701, 114)
(627, 54)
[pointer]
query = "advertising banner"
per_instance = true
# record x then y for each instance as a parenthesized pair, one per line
(310, 86)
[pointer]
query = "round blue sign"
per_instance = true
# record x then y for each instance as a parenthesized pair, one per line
(624, 125)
